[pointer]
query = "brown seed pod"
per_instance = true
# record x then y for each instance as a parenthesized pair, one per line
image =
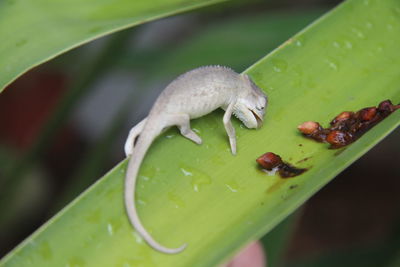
(338, 138)
(348, 126)
(345, 115)
(386, 106)
(309, 127)
(367, 114)
(269, 160)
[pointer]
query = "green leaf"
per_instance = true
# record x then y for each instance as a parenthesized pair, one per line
(34, 32)
(217, 202)
(236, 42)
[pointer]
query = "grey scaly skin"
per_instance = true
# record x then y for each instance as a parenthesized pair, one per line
(191, 95)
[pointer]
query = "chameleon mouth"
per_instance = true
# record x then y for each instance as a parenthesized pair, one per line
(258, 119)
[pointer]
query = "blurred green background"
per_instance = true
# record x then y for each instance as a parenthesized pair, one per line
(65, 122)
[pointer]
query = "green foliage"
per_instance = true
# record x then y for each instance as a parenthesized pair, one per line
(214, 201)
(33, 32)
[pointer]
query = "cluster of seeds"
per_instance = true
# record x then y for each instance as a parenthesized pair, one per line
(348, 126)
(344, 129)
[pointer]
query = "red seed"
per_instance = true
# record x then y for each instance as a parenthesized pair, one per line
(367, 114)
(338, 138)
(345, 115)
(309, 127)
(386, 106)
(269, 160)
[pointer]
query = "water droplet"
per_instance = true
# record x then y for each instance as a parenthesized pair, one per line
(358, 33)
(348, 44)
(170, 136)
(113, 226)
(144, 178)
(233, 186)
(138, 238)
(141, 201)
(199, 178)
(336, 44)
(332, 64)
(45, 251)
(279, 65)
(110, 229)
(178, 201)
(298, 43)
(369, 25)
(186, 173)
(199, 182)
(75, 262)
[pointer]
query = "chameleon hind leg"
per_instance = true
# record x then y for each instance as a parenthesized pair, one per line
(133, 134)
(183, 123)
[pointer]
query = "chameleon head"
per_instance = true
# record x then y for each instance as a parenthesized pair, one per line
(251, 103)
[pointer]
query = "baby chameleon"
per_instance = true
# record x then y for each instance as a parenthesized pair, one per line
(191, 95)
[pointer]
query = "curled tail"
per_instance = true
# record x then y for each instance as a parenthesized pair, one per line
(144, 142)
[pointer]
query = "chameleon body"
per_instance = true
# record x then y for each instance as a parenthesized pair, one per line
(191, 95)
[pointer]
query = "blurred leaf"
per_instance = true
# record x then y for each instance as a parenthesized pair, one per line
(216, 202)
(89, 71)
(34, 32)
(94, 161)
(236, 42)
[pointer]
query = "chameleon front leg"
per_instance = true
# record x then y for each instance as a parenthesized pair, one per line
(229, 127)
(133, 134)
